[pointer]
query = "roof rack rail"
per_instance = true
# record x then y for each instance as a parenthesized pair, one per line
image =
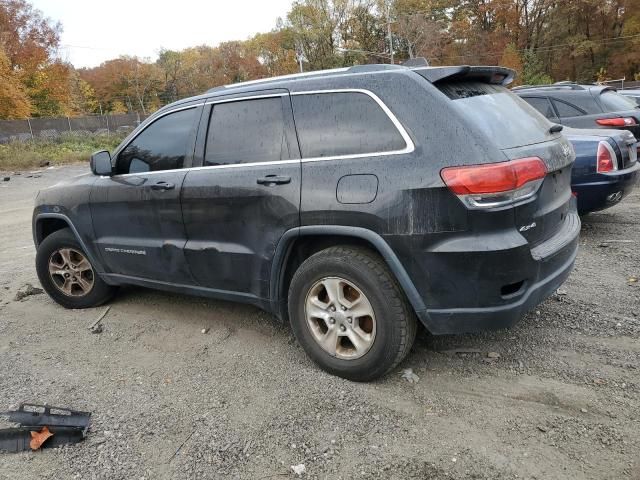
(557, 85)
(311, 74)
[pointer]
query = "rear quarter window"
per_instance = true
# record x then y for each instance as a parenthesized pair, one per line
(504, 117)
(566, 110)
(614, 102)
(343, 123)
(543, 105)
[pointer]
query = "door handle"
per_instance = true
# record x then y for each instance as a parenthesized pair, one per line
(163, 186)
(274, 180)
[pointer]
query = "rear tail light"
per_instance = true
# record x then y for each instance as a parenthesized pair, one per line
(606, 158)
(495, 184)
(617, 122)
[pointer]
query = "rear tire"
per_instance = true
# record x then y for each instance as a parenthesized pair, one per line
(348, 293)
(66, 274)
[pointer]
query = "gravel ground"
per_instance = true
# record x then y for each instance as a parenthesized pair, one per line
(556, 397)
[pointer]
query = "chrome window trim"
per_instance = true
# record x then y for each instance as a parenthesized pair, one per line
(409, 145)
(232, 165)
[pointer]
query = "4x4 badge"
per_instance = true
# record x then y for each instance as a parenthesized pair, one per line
(527, 227)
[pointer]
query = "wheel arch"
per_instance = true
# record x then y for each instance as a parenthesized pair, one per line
(44, 224)
(299, 243)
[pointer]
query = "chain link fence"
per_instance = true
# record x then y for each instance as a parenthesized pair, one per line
(50, 128)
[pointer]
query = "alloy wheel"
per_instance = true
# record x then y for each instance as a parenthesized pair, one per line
(340, 318)
(71, 272)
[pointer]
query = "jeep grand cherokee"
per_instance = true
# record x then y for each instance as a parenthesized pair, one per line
(351, 202)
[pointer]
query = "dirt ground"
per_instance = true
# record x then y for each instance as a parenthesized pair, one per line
(560, 401)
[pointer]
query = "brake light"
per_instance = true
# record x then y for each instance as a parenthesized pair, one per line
(606, 158)
(617, 122)
(495, 184)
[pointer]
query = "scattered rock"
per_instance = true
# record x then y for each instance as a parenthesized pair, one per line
(299, 469)
(493, 355)
(409, 376)
(561, 292)
(542, 428)
(45, 163)
(633, 280)
(6, 179)
(97, 329)
(26, 291)
(583, 410)
(603, 245)
(204, 331)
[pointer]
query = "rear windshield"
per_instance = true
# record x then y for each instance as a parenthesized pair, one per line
(500, 114)
(614, 102)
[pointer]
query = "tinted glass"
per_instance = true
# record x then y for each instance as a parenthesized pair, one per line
(542, 105)
(565, 110)
(160, 146)
(614, 102)
(503, 116)
(246, 131)
(349, 123)
(583, 100)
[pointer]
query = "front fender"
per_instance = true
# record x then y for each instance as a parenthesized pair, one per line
(41, 215)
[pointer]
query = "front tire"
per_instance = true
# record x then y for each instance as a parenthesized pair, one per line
(349, 313)
(66, 274)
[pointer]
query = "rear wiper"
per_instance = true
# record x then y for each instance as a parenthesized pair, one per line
(556, 129)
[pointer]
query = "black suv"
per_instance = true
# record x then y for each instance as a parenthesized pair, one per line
(350, 202)
(583, 106)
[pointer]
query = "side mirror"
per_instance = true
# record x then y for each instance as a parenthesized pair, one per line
(101, 163)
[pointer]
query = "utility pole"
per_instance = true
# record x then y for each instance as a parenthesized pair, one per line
(389, 29)
(299, 55)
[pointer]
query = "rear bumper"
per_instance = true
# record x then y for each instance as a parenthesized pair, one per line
(605, 190)
(498, 287)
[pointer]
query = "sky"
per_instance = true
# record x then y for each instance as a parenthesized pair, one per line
(95, 31)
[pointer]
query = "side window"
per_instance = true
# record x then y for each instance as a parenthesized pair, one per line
(565, 110)
(343, 123)
(161, 146)
(246, 131)
(543, 105)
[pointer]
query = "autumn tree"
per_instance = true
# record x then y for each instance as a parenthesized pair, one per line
(275, 51)
(29, 42)
(14, 102)
(511, 58)
(543, 40)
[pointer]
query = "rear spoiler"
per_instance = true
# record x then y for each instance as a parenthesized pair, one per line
(493, 75)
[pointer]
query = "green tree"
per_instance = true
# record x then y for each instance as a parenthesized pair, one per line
(533, 72)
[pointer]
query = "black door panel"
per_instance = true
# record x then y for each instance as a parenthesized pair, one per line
(137, 214)
(139, 229)
(234, 224)
(246, 197)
